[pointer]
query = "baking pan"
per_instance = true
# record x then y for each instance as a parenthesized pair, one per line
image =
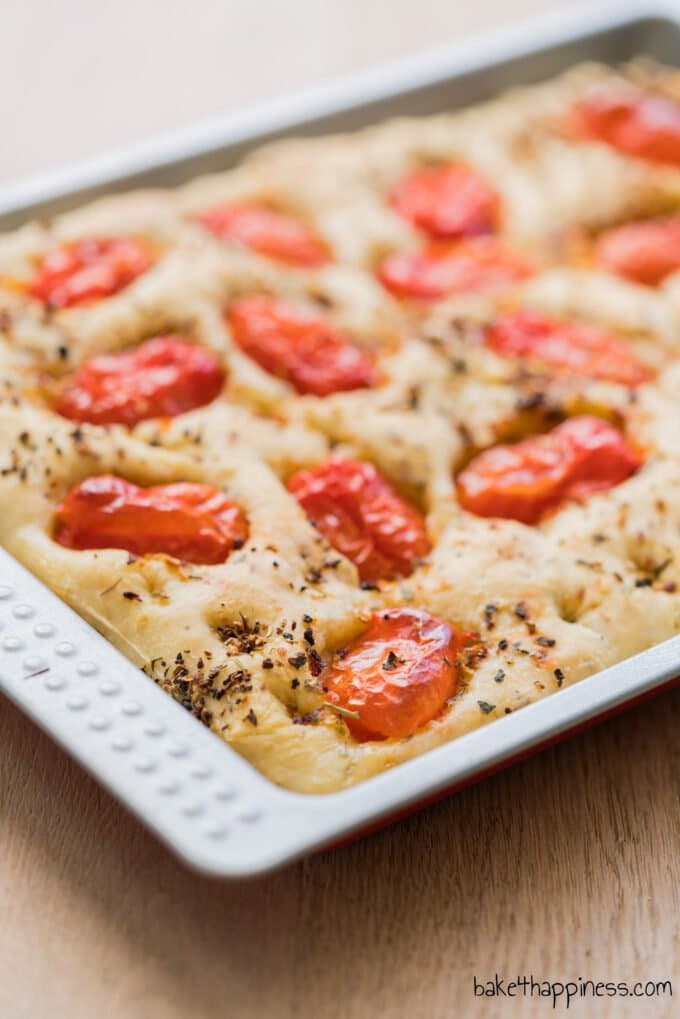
(203, 800)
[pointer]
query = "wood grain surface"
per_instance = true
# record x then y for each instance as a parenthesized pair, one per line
(564, 867)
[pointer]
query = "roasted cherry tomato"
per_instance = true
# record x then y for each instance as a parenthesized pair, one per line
(642, 125)
(645, 252)
(526, 480)
(191, 522)
(162, 377)
(397, 676)
(275, 234)
(300, 347)
(482, 263)
(572, 347)
(362, 516)
(88, 270)
(447, 201)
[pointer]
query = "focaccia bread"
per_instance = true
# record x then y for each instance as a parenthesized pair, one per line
(374, 438)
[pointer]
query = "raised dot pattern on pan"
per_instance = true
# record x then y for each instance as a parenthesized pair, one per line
(142, 742)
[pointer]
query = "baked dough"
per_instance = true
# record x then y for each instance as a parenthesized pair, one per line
(552, 603)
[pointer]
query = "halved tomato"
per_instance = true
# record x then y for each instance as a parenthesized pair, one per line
(192, 522)
(301, 347)
(162, 377)
(645, 252)
(362, 516)
(269, 232)
(643, 124)
(88, 270)
(527, 480)
(572, 347)
(447, 202)
(397, 676)
(478, 264)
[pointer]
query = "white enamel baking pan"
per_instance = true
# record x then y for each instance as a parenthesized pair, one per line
(206, 803)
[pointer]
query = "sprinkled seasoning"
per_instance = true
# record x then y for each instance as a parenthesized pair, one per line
(216, 683)
(314, 662)
(489, 613)
(521, 610)
(242, 636)
(311, 718)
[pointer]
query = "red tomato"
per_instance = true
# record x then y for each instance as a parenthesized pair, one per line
(191, 522)
(643, 125)
(483, 263)
(88, 270)
(645, 252)
(162, 377)
(362, 516)
(526, 480)
(275, 234)
(397, 676)
(301, 348)
(447, 201)
(573, 347)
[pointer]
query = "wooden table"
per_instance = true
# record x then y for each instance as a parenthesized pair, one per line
(565, 866)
